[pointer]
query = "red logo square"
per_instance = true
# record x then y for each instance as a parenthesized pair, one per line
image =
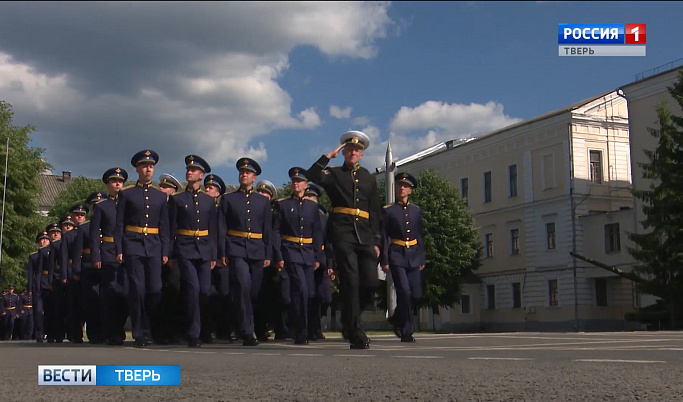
(635, 34)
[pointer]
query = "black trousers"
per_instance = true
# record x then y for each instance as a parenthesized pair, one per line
(357, 267)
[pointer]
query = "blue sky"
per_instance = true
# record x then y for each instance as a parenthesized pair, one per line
(282, 81)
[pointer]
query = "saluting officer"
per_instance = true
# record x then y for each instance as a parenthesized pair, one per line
(355, 218)
(322, 296)
(171, 314)
(403, 252)
(244, 243)
(35, 280)
(297, 229)
(103, 251)
(219, 304)
(142, 244)
(193, 220)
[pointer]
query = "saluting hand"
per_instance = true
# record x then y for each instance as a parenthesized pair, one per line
(333, 154)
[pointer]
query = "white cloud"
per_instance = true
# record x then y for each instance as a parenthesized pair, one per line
(360, 121)
(339, 112)
(207, 85)
(432, 122)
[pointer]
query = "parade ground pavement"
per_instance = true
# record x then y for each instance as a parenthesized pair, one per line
(463, 367)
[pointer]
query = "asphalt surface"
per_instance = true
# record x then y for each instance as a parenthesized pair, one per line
(461, 367)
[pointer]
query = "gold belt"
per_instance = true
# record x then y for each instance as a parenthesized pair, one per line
(45, 272)
(248, 235)
(86, 251)
(108, 239)
(351, 211)
(194, 233)
(404, 243)
(28, 306)
(145, 231)
(10, 308)
(300, 240)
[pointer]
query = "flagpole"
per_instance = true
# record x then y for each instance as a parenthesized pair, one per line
(4, 194)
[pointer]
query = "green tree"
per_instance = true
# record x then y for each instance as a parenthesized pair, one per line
(77, 191)
(22, 222)
(660, 251)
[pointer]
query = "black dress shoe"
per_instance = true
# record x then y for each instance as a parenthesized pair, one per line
(39, 340)
(250, 341)
(360, 344)
(141, 343)
(206, 339)
(407, 338)
(194, 343)
(319, 335)
(78, 340)
(114, 342)
(280, 337)
(312, 337)
(59, 340)
(301, 341)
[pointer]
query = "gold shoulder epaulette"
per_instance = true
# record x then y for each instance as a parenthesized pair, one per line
(127, 187)
(388, 205)
(281, 199)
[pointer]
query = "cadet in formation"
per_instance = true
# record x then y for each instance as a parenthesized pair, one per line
(403, 252)
(298, 231)
(244, 244)
(193, 222)
(142, 244)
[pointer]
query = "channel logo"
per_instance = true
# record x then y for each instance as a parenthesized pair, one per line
(67, 375)
(602, 39)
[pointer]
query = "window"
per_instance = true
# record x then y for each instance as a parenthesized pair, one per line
(516, 295)
(512, 178)
(550, 233)
(612, 239)
(514, 241)
(601, 291)
(465, 304)
(465, 190)
(487, 187)
(489, 245)
(491, 297)
(596, 166)
(552, 293)
(548, 171)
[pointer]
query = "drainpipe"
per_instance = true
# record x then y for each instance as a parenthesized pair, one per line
(573, 213)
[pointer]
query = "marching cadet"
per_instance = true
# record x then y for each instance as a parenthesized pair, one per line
(142, 245)
(322, 297)
(74, 292)
(103, 255)
(35, 279)
(244, 244)
(355, 218)
(219, 297)
(297, 228)
(54, 296)
(193, 222)
(25, 321)
(403, 252)
(271, 306)
(91, 277)
(171, 315)
(11, 305)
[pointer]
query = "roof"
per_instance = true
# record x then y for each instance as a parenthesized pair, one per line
(51, 185)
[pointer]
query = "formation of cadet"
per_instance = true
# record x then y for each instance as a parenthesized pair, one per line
(188, 263)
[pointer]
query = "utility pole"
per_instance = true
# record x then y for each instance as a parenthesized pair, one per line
(389, 167)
